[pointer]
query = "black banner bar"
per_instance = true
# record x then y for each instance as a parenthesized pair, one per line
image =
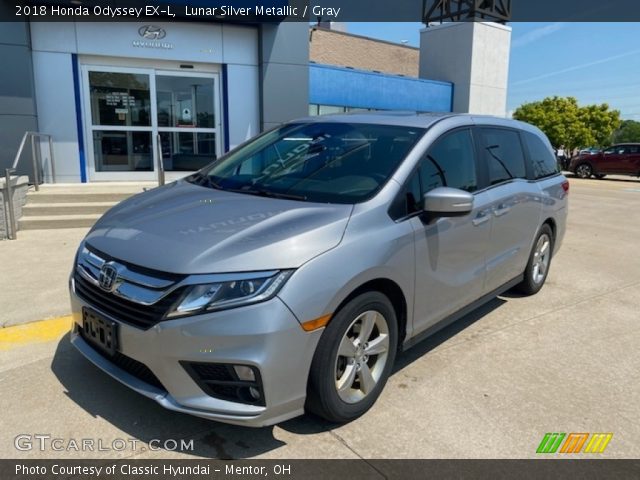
(257, 11)
(128, 469)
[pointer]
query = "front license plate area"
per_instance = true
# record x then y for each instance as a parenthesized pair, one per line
(100, 331)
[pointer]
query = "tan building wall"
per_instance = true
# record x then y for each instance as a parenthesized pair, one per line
(337, 48)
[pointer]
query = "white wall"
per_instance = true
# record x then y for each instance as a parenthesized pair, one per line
(490, 69)
(475, 57)
(244, 99)
(202, 45)
(55, 103)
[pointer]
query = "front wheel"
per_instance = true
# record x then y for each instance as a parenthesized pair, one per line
(539, 261)
(353, 359)
(584, 170)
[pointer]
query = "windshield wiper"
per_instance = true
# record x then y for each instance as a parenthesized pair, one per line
(267, 193)
(206, 181)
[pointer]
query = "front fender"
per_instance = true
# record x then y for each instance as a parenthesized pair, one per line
(319, 287)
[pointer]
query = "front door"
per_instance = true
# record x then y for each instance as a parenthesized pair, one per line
(450, 252)
(133, 116)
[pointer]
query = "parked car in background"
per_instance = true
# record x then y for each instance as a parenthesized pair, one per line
(286, 275)
(623, 159)
(589, 151)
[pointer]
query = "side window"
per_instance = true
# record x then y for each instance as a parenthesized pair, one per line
(503, 154)
(450, 162)
(409, 201)
(633, 149)
(414, 195)
(543, 163)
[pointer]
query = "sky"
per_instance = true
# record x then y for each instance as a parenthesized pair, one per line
(594, 62)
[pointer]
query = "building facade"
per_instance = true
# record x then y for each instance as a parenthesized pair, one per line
(118, 98)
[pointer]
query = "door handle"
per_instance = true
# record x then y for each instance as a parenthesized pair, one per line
(481, 218)
(501, 210)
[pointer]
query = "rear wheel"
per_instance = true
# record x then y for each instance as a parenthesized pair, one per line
(584, 170)
(539, 261)
(353, 359)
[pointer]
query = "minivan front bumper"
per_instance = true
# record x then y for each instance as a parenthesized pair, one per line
(265, 336)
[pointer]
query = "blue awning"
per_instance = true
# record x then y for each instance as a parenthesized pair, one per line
(346, 87)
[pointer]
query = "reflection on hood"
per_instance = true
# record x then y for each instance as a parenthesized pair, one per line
(185, 228)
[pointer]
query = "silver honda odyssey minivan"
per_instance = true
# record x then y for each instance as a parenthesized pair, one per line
(287, 275)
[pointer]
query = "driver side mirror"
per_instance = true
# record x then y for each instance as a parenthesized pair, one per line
(447, 202)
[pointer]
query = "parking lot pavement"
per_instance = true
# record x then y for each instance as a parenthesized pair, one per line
(491, 385)
(35, 269)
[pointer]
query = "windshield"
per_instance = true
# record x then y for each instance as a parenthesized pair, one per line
(319, 162)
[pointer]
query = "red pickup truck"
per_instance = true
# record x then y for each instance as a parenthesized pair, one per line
(621, 159)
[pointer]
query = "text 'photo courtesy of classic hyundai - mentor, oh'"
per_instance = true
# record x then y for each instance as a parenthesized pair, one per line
(286, 276)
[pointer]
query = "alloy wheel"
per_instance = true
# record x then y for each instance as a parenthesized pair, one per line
(362, 356)
(584, 171)
(541, 259)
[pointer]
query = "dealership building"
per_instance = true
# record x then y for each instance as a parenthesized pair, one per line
(118, 96)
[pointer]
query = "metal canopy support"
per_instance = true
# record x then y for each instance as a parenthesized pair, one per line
(434, 11)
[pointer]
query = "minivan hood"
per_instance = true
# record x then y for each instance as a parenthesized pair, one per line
(186, 228)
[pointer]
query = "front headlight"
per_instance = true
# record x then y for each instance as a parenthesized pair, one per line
(245, 290)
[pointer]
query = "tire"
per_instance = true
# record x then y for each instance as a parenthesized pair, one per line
(533, 277)
(341, 358)
(600, 176)
(584, 170)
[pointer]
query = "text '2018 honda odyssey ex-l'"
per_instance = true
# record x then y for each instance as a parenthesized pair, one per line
(288, 274)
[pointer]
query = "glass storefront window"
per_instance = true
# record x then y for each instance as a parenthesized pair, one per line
(185, 102)
(187, 151)
(315, 109)
(329, 109)
(122, 151)
(120, 99)
(138, 114)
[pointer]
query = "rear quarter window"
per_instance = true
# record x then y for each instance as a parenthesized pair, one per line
(543, 162)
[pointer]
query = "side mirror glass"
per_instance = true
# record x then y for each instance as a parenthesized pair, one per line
(447, 202)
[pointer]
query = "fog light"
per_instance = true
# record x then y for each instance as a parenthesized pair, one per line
(255, 393)
(245, 373)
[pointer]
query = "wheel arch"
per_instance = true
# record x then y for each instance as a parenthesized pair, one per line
(393, 292)
(552, 224)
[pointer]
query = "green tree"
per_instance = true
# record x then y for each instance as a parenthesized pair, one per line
(567, 123)
(628, 132)
(601, 123)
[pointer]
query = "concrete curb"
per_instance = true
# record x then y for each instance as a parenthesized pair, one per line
(35, 332)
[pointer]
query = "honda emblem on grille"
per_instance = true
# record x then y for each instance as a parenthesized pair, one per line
(108, 277)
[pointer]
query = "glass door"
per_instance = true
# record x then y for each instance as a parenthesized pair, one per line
(127, 108)
(187, 120)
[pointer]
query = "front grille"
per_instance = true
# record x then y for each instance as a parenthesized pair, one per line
(129, 365)
(136, 314)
